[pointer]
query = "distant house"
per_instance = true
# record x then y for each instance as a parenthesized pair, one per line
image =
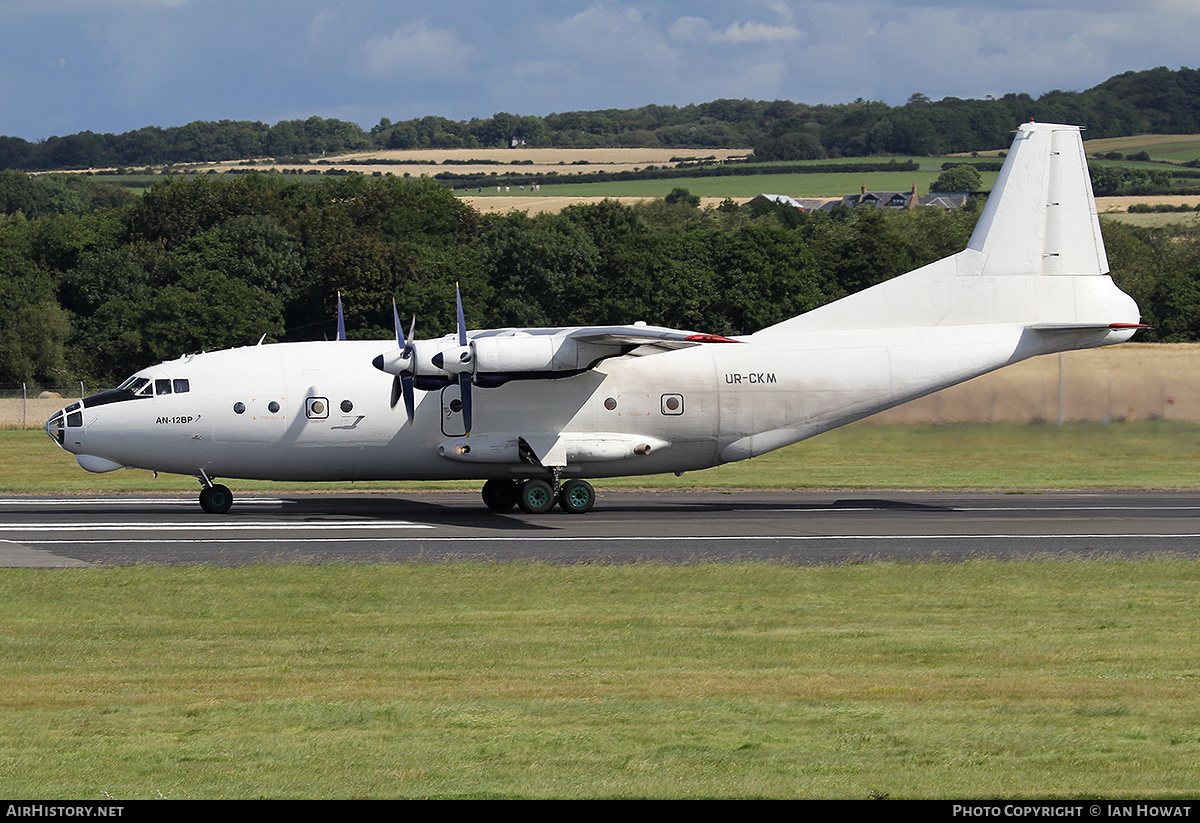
(883, 199)
(780, 200)
(946, 200)
(898, 200)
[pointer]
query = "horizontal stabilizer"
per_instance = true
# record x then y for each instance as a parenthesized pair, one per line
(1075, 327)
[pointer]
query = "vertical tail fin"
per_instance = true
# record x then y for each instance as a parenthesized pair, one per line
(1041, 217)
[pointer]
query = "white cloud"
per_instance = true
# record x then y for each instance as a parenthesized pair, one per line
(759, 33)
(699, 30)
(417, 50)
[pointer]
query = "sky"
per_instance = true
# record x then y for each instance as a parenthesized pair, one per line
(118, 65)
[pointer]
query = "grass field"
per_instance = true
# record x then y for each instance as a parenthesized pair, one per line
(1059, 679)
(1174, 148)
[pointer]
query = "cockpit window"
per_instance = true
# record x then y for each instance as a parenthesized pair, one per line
(144, 387)
(135, 385)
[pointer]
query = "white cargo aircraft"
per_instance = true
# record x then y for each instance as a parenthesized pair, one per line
(533, 412)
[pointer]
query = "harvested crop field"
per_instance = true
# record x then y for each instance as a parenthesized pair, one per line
(1108, 205)
(535, 204)
(502, 161)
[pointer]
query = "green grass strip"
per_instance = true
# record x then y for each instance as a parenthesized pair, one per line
(985, 679)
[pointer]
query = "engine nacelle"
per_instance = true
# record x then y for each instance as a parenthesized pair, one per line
(519, 355)
(493, 359)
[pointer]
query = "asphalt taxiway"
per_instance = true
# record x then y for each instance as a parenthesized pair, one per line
(627, 526)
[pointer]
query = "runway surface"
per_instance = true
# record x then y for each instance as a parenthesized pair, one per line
(673, 527)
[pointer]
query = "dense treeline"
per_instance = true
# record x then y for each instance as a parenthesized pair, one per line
(98, 292)
(1160, 101)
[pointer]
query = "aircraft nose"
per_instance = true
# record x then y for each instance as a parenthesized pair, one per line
(63, 419)
(55, 426)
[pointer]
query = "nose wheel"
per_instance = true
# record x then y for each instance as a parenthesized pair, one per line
(214, 498)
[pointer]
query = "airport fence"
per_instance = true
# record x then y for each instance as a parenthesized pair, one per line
(25, 406)
(1127, 382)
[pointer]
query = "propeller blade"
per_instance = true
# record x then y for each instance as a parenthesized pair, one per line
(464, 377)
(464, 394)
(395, 391)
(406, 387)
(462, 324)
(400, 342)
(341, 320)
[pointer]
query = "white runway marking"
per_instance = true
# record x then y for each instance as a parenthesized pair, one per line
(109, 501)
(951, 508)
(8, 528)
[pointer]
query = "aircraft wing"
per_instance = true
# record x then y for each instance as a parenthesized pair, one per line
(639, 335)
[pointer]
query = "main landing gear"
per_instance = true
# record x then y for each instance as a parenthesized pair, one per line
(538, 496)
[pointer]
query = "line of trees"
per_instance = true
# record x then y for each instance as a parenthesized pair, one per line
(98, 291)
(1157, 101)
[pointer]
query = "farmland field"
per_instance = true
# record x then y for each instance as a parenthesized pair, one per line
(577, 164)
(1175, 148)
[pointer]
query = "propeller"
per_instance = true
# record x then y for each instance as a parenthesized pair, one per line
(341, 320)
(401, 364)
(457, 363)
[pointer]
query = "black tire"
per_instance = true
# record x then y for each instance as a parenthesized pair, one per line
(216, 499)
(501, 495)
(576, 497)
(537, 497)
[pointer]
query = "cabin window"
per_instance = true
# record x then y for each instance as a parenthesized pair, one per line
(672, 404)
(273, 407)
(181, 385)
(162, 387)
(347, 406)
(317, 408)
(239, 407)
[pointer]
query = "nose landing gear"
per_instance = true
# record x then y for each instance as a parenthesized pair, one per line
(214, 498)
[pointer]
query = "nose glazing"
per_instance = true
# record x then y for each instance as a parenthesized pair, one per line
(63, 419)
